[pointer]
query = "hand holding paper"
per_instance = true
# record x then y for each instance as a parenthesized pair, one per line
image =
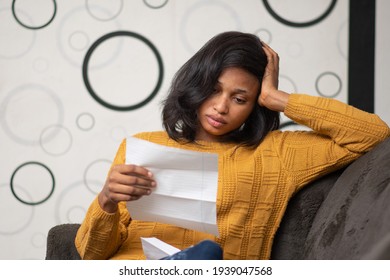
(186, 190)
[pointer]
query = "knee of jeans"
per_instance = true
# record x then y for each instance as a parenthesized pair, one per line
(210, 245)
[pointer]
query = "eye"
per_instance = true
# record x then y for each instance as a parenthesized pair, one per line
(239, 100)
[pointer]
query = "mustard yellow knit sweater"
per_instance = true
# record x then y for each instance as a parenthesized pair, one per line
(254, 185)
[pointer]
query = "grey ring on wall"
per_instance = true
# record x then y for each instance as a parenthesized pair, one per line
(34, 27)
(299, 24)
(41, 141)
(333, 75)
(21, 226)
(68, 216)
(60, 202)
(89, 86)
(291, 81)
(155, 7)
(86, 128)
(75, 34)
(343, 53)
(104, 19)
(36, 236)
(12, 94)
(86, 181)
(61, 43)
(31, 202)
(40, 65)
(186, 16)
(28, 46)
(268, 40)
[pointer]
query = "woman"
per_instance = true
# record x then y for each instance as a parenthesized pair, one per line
(225, 100)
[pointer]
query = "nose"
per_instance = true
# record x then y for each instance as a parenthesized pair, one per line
(221, 104)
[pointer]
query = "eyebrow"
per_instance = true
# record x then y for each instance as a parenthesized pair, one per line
(236, 90)
(239, 90)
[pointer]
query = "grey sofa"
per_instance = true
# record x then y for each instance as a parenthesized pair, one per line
(344, 215)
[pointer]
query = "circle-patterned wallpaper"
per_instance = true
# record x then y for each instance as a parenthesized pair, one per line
(79, 76)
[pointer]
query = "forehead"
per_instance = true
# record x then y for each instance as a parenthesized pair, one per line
(240, 78)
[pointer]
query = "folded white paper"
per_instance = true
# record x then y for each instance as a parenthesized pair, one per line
(186, 190)
(155, 249)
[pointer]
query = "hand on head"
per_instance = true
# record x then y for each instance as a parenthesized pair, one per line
(270, 96)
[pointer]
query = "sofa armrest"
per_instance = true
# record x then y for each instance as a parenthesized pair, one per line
(353, 221)
(60, 242)
(344, 215)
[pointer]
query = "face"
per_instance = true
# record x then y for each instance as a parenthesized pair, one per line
(227, 108)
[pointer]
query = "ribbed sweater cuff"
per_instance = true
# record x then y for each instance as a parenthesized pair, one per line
(99, 214)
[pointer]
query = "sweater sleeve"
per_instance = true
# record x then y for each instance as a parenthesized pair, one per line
(101, 233)
(341, 133)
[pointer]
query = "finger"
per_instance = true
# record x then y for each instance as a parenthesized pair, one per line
(124, 197)
(270, 53)
(272, 56)
(134, 170)
(125, 191)
(267, 47)
(135, 181)
(136, 191)
(134, 197)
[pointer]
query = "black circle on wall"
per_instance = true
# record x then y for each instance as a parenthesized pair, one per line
(32, 163)
(299, 24)
(34, 27)
(88, 57)
(286, 124)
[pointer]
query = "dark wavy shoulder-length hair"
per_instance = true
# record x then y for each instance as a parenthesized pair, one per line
(196, 79)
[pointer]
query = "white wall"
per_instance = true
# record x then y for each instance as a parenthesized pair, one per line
(57, 142)
(382, 60)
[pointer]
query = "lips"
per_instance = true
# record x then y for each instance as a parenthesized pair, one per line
(215, 121)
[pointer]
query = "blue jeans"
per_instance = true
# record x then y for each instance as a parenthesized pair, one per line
(205, 250)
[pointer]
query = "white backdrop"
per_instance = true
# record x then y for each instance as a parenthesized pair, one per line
(58, 138)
